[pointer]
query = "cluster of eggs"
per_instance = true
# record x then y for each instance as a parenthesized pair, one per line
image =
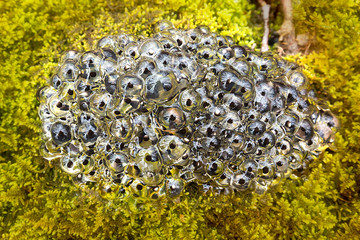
(147, 116)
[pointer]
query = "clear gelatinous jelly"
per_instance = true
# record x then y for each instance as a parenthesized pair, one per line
(150, 115)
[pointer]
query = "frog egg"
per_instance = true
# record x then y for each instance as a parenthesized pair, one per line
(68, 92)
(102, 146)
(171, 118)
(281, 164)
(266, 64)
(267, 140)
(68, 71)
(325, 126)
(241, 182)
(239, 52)
(85, 118)
(203, 29)
(93, 176)
(126, 64)
(69, 165)
(161, 86)
(91, 59)
(231, 121)
(217, 96)
(73, 148)
(58, 106)
(122, 107)
(167, 42)
(210, 144)
(295, 159)
(174, 150)
(305, 131)
(215, 168)
(192, 47)
(84, 89)
(146, 67)
(268, 118)
(180, 39)
(284, 147)
(109, 54)
(289, 122)
(44, 113)
(91, 74)
(266, 170)
(226, 154)
(217, 113)
(225, 53)
(89, 133)
(121, 129)
(189, 100)
(138, 189)
(221, 41)
(152, 114)
(163, 25)
(250, 146)
(152, 179)
(86, 163)
(52, 150)
(207, 56)
(131, 85)
(249, 167)
(164, 60)
(186, 65)
(150, 48)
(107, 42)
(242, 67)
(232, 102)
(108, 66)
(110, 82)
(224, 179)
(149, 159)
(174, 187)
(117, 161)
(132, 170)
(290, 94)
(208, 40)
(297, 79)
(99, 103)
(231, 81)
(147, 137)
(237, 142)
(132, 51)
(60, 133)
(122, 40)
(208, 130)
(56, 81)
(313, 143)
(201, 177)
(256, 128)
(45, 130)
(265, 89)
(207, 84)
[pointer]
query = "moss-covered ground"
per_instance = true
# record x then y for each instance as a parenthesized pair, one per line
(38, 201)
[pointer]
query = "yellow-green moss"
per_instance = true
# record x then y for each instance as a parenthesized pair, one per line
(40, 202)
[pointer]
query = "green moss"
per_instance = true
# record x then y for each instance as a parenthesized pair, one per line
(38, 201)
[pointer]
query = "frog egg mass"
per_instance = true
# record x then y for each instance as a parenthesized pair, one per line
(147, 116)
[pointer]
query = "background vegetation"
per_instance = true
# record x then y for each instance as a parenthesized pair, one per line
(39, 201)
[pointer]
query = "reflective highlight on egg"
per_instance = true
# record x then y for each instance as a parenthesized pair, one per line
(147, 116)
